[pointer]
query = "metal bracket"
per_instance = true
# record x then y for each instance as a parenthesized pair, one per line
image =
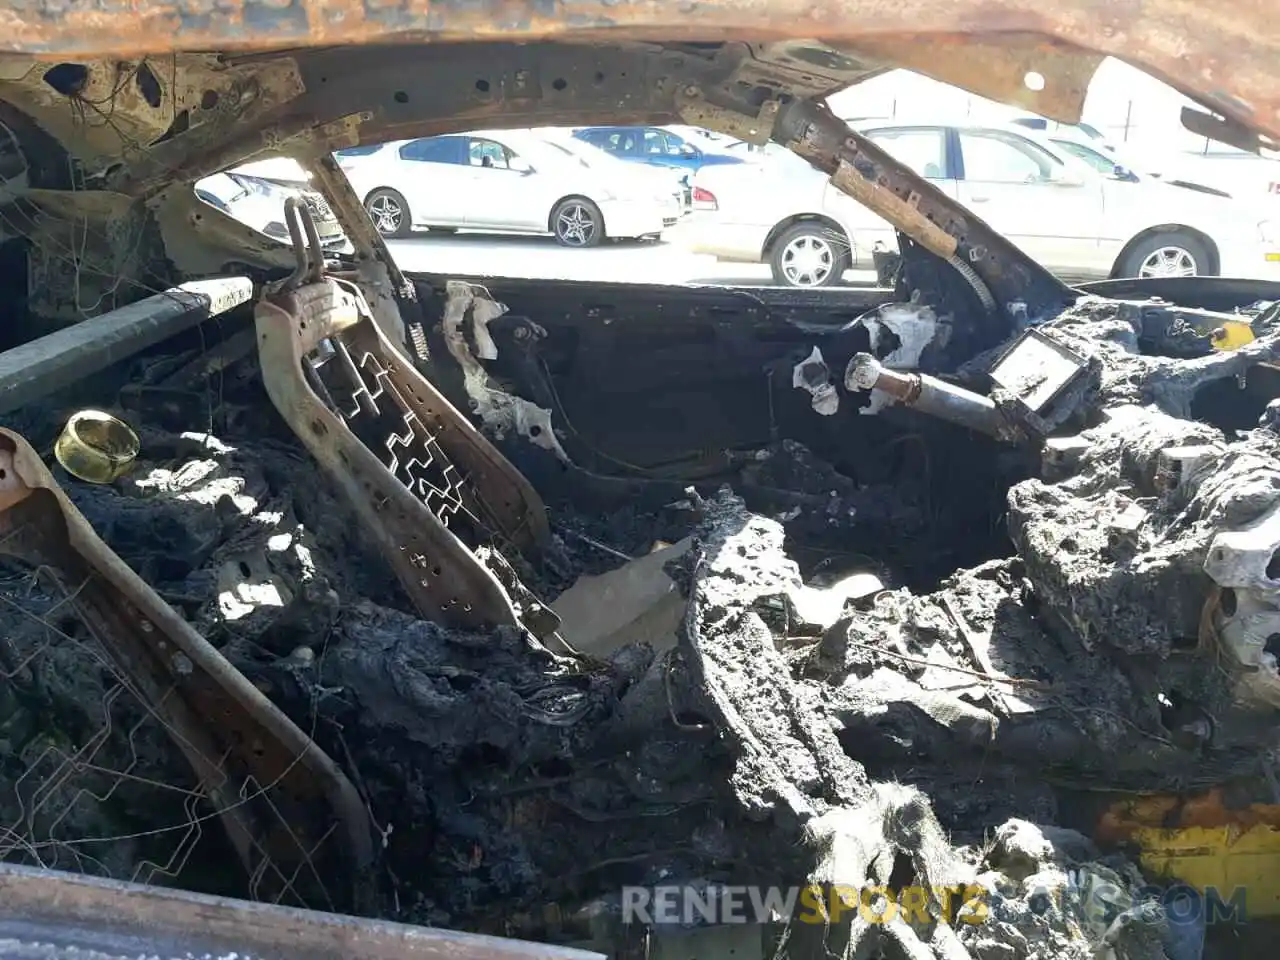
(290, 813)
(694, 109)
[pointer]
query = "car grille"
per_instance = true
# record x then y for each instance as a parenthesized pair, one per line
(669, 221)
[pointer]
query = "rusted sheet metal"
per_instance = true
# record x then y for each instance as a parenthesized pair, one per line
(997, 68)
(73, 915)
(1225, 53)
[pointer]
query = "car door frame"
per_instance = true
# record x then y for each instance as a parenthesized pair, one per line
(1076, 251)
(436, 194)
(503, 198)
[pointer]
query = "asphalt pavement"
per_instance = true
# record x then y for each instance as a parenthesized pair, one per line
(627, 261)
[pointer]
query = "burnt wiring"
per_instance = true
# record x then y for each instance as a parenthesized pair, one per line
(82, 106)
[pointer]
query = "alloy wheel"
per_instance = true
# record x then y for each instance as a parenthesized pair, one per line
(575, 226)
(385, 213)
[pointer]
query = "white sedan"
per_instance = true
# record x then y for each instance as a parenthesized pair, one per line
(503, 181)
(779, 210)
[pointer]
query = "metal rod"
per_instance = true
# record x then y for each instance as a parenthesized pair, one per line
(40, 367)
(123, 920)
(926, 394)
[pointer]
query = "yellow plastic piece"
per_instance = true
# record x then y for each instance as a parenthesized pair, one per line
(1205, 843)
(1231, 335)
(1221, 858)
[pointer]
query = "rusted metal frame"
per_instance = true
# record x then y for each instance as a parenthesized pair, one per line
(188, 158)
(996, 67)
(279, 796)
(473, 85)
(402, 92)
(109, 116)
(875, 179)
(918, 208)
(106, 917)
(493, 490)
(1226, 55)
(441, 575)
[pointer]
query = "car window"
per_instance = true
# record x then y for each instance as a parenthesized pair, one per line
(676, 145)
(358, 151)
(488, 153)
(431, 150)
(655, 144)
(921, 150)
(619, 142)
(1099, 162)
(994, 158)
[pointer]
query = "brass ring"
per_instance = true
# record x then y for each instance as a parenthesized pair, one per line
(96, 447)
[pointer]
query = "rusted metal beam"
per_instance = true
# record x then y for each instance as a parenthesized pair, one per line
(999, 272)
(1225, 54)
(919, 209)
(65, 914)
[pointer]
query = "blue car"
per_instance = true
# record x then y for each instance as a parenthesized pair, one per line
(654, 146)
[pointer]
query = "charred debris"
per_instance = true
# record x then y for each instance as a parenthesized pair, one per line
(502, 605)
(702, 588)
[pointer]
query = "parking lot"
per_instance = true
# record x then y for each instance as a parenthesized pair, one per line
(666, 261)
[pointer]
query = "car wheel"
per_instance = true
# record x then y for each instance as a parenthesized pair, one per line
(577, 222)
(1174, 254)
(809, 255)
(389, 212)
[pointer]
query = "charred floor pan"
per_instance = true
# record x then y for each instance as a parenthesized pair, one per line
(1041, 637)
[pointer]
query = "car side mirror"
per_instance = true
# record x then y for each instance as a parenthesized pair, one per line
(1121, 172)
(520, 165)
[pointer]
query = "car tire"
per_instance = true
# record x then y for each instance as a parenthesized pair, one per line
(1166, 255)
(577, 222)
(809, 250)
(389, 212)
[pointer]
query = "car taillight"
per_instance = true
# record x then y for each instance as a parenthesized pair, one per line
(705, 198)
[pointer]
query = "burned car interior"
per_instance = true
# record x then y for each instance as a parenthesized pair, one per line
(354, 613)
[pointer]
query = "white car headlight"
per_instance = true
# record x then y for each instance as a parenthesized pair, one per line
(1269, 232)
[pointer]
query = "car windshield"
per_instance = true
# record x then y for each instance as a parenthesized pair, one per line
(541, 152)
(593, 158)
